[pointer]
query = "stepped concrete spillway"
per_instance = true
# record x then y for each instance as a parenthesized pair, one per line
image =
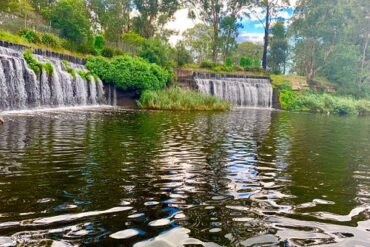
(22, 89)
(240, 90)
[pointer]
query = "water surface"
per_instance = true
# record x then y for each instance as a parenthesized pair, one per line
(130, 178)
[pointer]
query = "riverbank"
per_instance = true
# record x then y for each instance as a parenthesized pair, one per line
(307, 100)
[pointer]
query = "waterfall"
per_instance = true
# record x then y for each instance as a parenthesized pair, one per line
(21, 88)
(239, 90)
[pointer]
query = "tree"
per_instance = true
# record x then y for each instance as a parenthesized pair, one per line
(211, 12)
(156, 51)
(278, 48)
(72, 19)
(182, 55)
(22, 8)
(153, 15)
(265, 11)
(111, 16)
(198, 40)
(317, 29)
(250, 51)
(228, 33)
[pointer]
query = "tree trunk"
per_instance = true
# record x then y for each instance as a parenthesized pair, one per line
(215, 38)
(363, 59)
(266, 38)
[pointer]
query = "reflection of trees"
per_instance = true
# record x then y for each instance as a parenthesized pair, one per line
(323, 156)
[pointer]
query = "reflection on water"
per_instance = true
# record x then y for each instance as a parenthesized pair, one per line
(244, 178)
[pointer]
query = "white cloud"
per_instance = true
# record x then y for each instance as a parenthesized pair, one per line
(259, 25)
(180, 23)
(256, 38)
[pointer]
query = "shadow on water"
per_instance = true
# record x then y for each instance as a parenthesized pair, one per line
(243, 178)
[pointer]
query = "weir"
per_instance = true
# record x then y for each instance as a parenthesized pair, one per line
(243, 91)
(22, 89)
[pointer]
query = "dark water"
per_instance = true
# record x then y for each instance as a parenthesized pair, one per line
(244, 178)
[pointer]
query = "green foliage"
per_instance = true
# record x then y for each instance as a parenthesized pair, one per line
(48, 68)
(87, 75)
(208, 65)
(320, 103)
(199, 41)
(68, 68)
(249, 63)
(71, 17)
(128, 72)
(278, 48)
(133, 39)
(182, 55)
(152, 15)
(35, 65)
(107, 52)
(51, 40)
(181, 99)
(99, 42)
(32, 62)
(30, 35)
(155, 51)
(229, 62)
(249, 51)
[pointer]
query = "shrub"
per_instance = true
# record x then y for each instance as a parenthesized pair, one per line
(51, 40)
(99, 42)
(183, 56)
(181, 99)
(30, 35)
(229, 62)
(207, 65)
(321, 103)
(155, 51)
(107, 52)
(127, 72)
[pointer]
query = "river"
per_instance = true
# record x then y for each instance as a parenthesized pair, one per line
(109, 177)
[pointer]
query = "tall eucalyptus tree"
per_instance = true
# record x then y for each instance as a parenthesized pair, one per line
(266, 11)
(212, 12)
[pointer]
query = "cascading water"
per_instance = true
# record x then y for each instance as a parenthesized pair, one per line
(21, 88)
(240, 91)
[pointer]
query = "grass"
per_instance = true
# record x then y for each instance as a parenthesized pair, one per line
(9, 37)
(181, 99)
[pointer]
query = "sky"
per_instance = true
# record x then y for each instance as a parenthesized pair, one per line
(252, 30)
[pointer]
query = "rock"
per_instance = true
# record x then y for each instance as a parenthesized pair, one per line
(2, 121)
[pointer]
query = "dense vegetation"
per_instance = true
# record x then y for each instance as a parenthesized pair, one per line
(127, 72)
(308, 101)
(326, 42)
(176, 98)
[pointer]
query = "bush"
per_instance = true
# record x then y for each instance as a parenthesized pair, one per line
(183, 56)
(107, 52)
(309, 101)
(155, 51)
(30, 35)
(207, 65)
(181, 99)
(51, 40)
(99, 42)
(127, 72)
(229, 62)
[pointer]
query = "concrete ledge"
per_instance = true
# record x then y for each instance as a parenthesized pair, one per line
(43, 52)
